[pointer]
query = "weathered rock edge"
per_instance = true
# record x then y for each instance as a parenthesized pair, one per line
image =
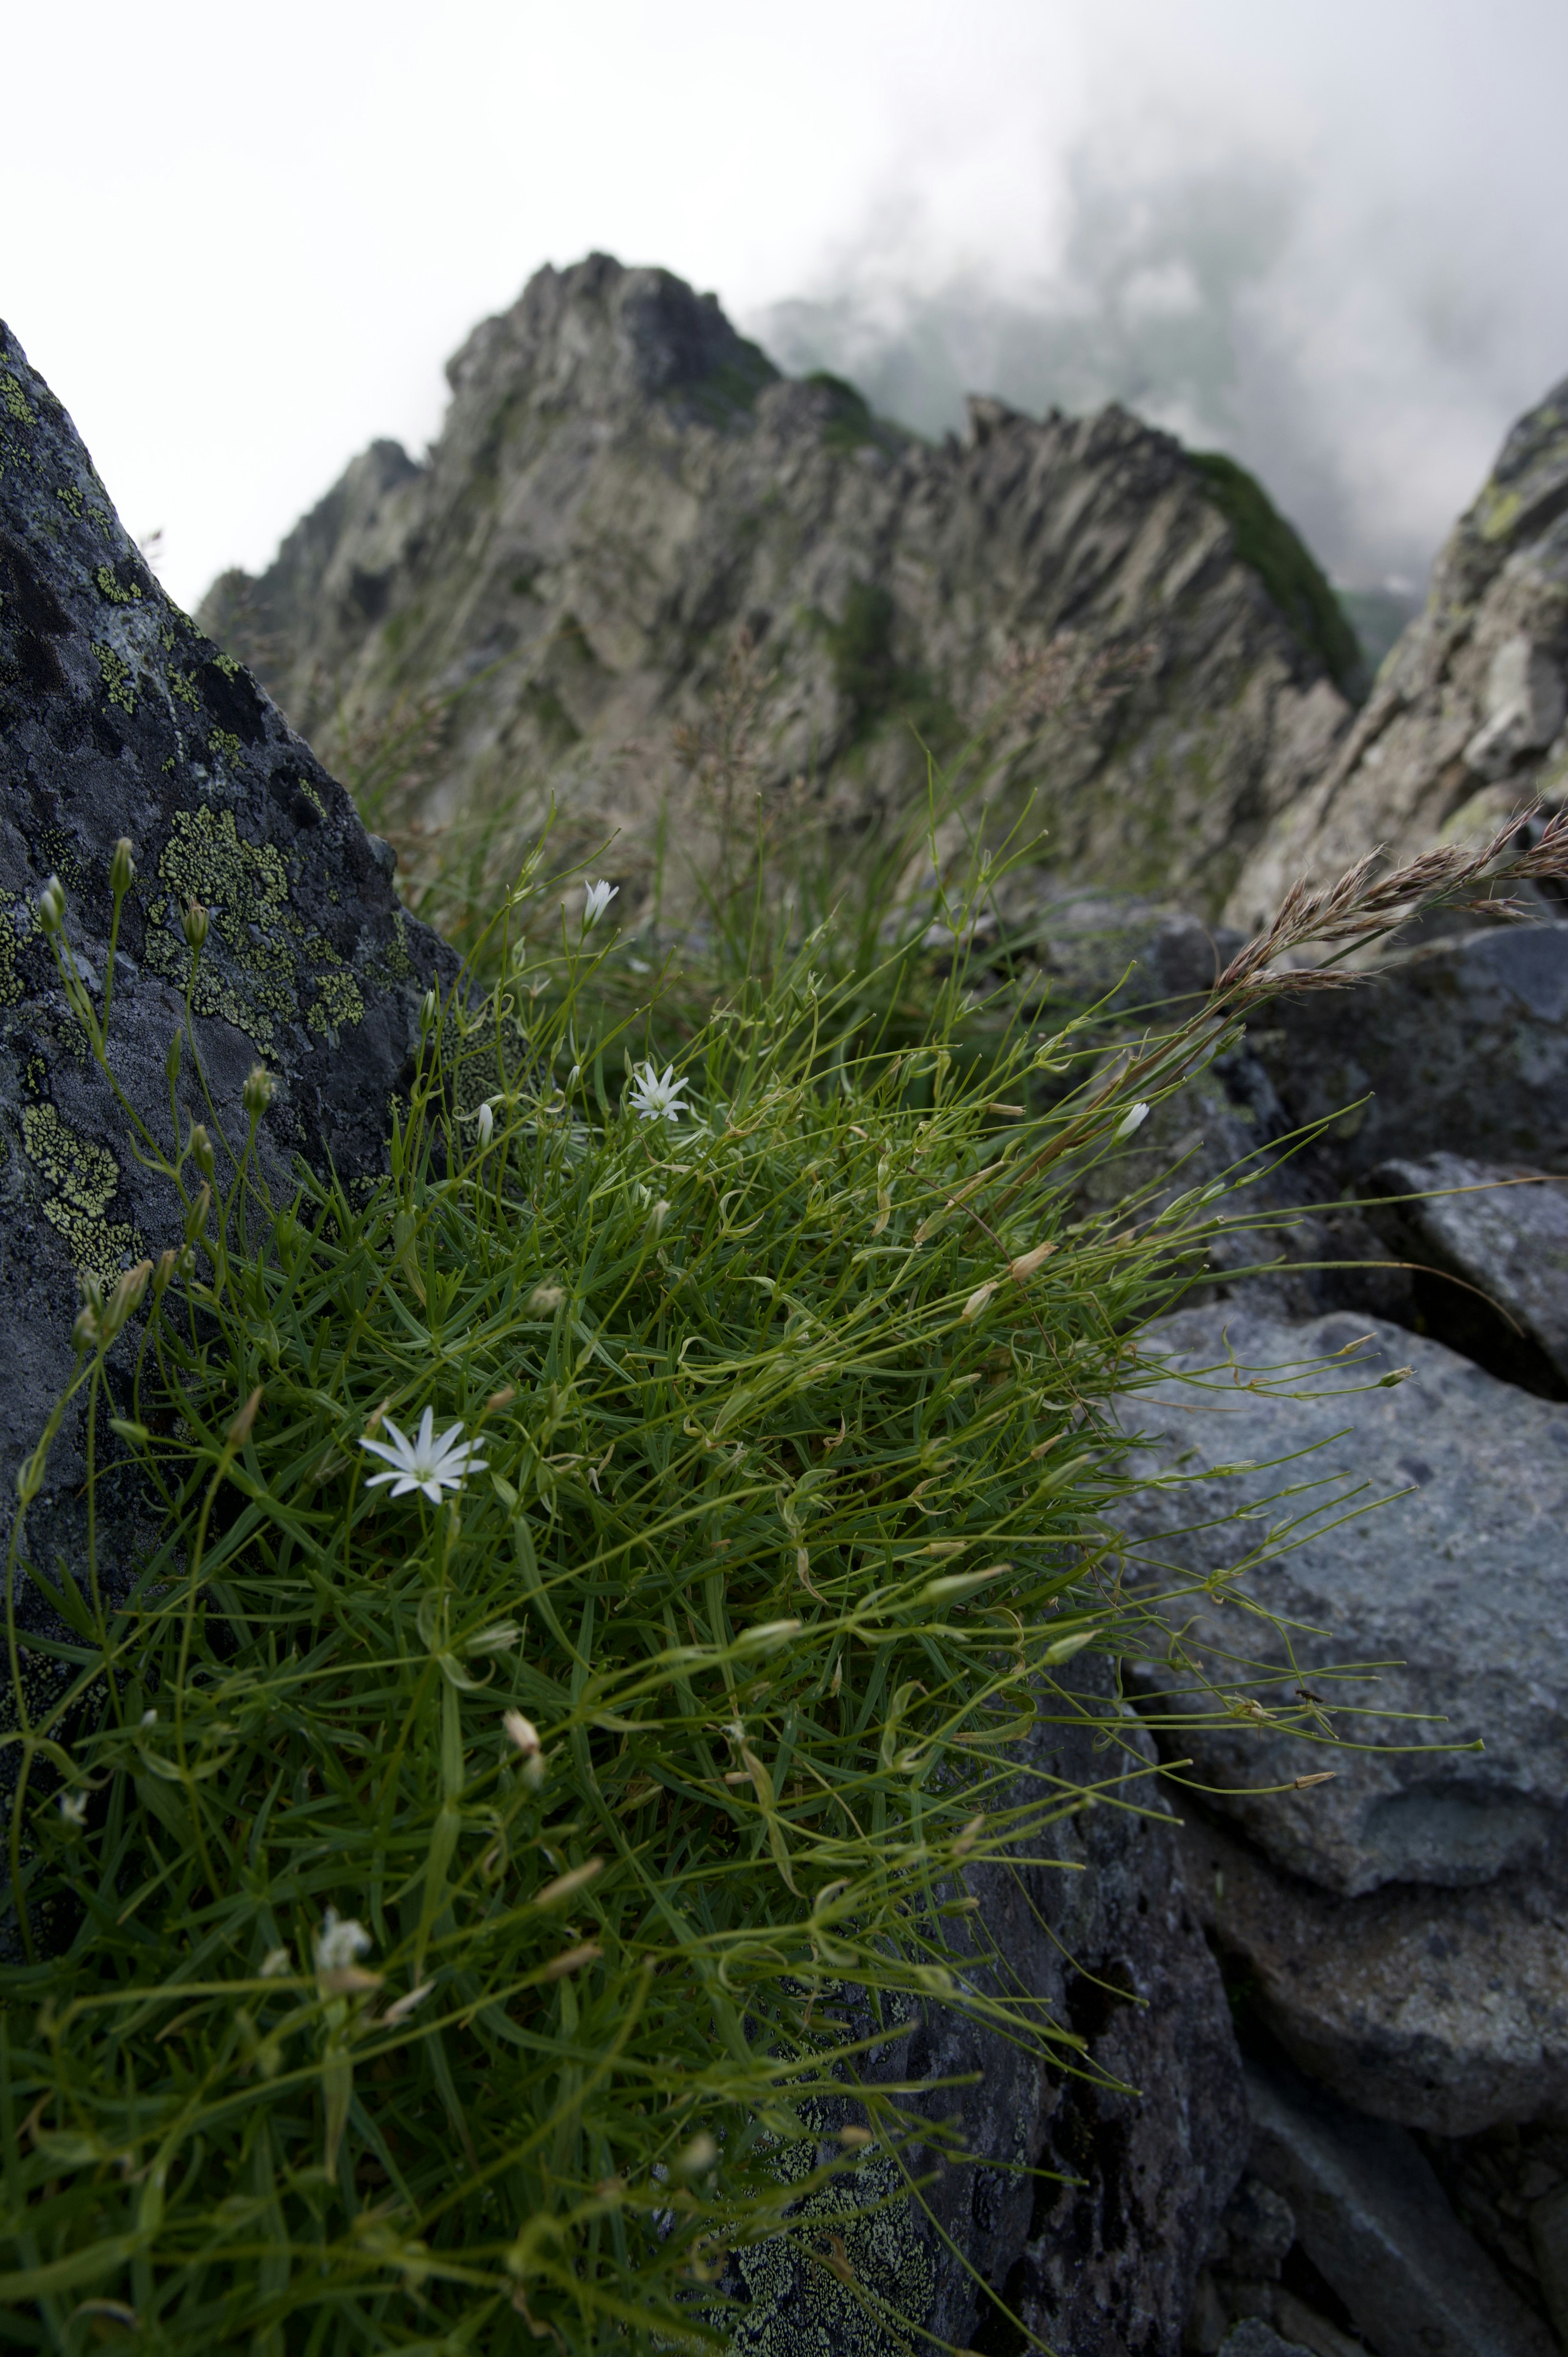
(119, 718)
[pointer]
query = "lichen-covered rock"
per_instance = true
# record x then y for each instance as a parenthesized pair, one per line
(1090, 2189)
(623, 484)
(119, 718)
(1416, 1538)
(1465, 721)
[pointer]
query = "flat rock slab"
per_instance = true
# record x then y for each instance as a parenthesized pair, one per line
(1503, 1233)
(1445, 2010)
(1462, 1044)
(1373, 2219)
(119, 718)
(1452, 1596)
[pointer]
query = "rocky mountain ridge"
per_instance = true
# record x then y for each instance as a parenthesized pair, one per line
(623, 487)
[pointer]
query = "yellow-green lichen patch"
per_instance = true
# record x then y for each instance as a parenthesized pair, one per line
(311, 795)
(866, 2286)
(398, 963)
(111, 588)
(181, 683)
(69, 497)
(338, 1002)
(16, 400)
(10, 980)
(84, 1179)
(116, 673)
(246, 887)
(223, 741)
(227, 665)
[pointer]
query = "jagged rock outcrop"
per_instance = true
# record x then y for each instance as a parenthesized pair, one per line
(623, 486)
(1465, 722)
(119, 718)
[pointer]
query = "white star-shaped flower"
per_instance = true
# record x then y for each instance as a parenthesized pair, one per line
(657, 1093)
(423, 1463)
(597, 899)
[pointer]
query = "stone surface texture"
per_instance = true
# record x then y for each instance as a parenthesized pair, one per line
(118, 717)
(1445, 2010)
(623, 484)
(1504, 1234)
(1465, 721)
(1373, 2219)
(1144, 2133)
(1461, 1047)
(1452, 1596)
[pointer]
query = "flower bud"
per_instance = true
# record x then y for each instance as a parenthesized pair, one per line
(51, 906)
(202, 1150)
(257, 1094)
(193, 922)
(163, 1274)
(122, 868)
(125, 1297)
(427, 1011)
(196, 1218)
(84, 1333)
(487, 1126)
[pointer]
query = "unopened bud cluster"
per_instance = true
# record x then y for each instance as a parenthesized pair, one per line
(193, 922)
(257, 1094)
(122, 868)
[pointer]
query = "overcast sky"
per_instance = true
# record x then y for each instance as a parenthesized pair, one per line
(1328, 234)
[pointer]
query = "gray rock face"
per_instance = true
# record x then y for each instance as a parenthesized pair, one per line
(1453, 1598)
(1463, 1045)
(1143, 2136)
(1256, 2339)
(622, 484)
(1443, 2010)
(1373, 2219)
(1506, 1238)
(118, 717)
(1465, 722)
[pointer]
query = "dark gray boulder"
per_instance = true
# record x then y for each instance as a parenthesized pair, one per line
(1417, 1535)
(1092, 2187)
(1443, 2010)
(1504, 1236)
(1372, 2217)
(1463, 1046)
(119, 718)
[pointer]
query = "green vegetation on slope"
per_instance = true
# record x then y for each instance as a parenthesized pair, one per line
(441, 1917)
(1286, 567)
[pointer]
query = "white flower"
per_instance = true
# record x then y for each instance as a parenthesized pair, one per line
(487, 1125)
(522, 1732)
(656, 1092)
(1131, 1121)
(423, 1463)
(275, 1961)
(597, 899)
(340, 1942)
(499, 1639)
(73, 1809)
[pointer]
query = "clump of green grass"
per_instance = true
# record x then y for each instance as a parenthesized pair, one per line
(439, 1912)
